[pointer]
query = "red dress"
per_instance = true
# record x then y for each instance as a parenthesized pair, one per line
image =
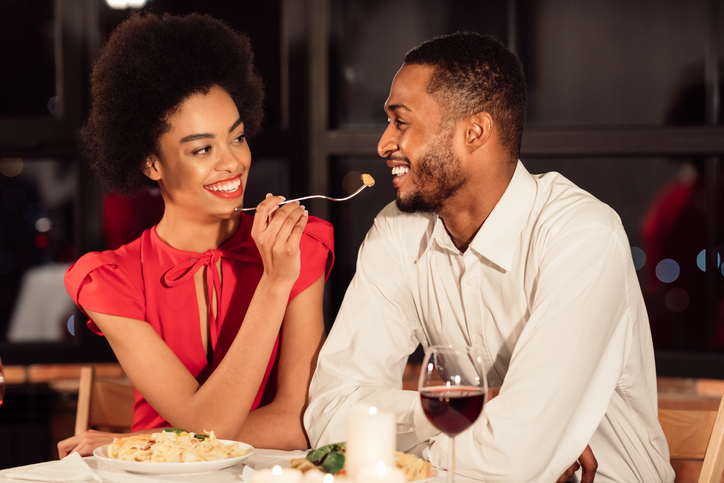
(149, 280)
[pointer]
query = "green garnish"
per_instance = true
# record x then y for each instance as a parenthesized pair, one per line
(178, 432)
(330, 457)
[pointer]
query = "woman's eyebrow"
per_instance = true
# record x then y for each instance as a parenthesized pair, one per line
(235, 125)
(194, 137)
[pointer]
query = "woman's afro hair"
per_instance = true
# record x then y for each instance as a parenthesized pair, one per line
(148, 67)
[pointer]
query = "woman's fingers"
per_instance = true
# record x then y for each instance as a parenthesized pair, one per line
(84, 443)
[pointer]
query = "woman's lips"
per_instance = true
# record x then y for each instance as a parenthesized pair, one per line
(227, 189)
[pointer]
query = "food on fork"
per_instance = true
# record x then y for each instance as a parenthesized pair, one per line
(368, 180)
(172, 446)
(330, 459)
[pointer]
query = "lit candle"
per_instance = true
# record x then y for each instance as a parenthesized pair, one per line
(370, 439)
(381, 473)
(278, 475)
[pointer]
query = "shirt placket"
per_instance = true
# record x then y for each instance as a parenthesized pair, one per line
(471, 288)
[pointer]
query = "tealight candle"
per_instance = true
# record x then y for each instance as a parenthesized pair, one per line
(370, 439)
(278, 475)
(381, 473)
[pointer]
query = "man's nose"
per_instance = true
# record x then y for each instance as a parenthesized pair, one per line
(387, 143)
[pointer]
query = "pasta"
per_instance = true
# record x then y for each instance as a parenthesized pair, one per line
(172, 446)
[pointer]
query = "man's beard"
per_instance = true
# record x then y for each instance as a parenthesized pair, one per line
(438, 176)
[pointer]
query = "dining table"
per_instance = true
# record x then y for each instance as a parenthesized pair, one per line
(96, 469)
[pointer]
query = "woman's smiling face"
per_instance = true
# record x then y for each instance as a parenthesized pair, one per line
(204, 158)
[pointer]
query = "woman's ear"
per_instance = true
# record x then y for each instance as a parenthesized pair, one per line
(478, 129)
(153, 167)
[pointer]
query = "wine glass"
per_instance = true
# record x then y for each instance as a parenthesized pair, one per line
(452, 391)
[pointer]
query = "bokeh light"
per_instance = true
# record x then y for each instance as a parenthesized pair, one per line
(52, 105)
(42, 241)
(677, 300)
(43, 224)
(667, 270)
(639, 257)
(11, 167)
(351, 181)
(701, 260)
(71, 325)
(123, 4)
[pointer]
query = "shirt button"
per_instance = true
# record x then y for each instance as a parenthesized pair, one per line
(478, 340)
(470, 282)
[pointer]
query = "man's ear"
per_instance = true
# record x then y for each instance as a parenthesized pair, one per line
(153, 167)
(478, 129)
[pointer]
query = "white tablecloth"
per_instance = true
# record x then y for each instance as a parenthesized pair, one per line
(262, 458)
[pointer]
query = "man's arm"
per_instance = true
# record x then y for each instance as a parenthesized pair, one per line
(365, 354)
(564, 368)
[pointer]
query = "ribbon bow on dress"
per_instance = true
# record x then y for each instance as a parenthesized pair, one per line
(185, 271)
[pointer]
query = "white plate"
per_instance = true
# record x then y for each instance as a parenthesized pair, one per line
(149, 468)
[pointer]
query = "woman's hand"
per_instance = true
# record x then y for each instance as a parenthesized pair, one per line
(277, 231)
(85, 443)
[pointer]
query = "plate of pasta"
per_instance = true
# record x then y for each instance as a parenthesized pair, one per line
(173, 452)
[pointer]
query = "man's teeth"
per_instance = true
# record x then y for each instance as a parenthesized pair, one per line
(226, 187)
(400, 170)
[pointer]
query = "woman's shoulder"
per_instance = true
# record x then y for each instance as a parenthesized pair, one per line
(321, 231)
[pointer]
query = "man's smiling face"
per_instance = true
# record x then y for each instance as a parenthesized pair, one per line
(418, 144)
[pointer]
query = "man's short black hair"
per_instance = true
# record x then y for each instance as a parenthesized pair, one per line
(475, 73)
(148, 67)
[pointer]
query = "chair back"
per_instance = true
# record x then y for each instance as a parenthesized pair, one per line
(694, 430)
(106, 405)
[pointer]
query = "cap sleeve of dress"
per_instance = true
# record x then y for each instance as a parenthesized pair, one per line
(102, 282)
(317, 254)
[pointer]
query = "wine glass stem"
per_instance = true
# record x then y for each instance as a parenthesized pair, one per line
(451, 467)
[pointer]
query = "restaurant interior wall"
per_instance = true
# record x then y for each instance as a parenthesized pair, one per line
(603, 81)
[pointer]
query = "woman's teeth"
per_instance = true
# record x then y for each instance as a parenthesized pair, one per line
(400, 170)
(225, 187)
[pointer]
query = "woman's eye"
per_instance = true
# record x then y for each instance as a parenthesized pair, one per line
(240, 138)
(204, 150)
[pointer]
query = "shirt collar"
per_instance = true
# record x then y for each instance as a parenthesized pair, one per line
(497, 238)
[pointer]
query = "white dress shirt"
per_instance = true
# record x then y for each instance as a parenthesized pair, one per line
(547, 289)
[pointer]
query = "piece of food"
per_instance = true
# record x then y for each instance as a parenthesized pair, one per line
(172, 446)
(368, 180)
(330, 459)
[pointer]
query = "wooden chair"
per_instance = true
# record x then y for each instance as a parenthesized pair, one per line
(694, 430)
(106, 405)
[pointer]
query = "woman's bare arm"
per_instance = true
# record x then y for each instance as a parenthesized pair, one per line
(279, 425)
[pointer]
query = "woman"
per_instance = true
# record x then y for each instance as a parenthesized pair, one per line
(209, 311)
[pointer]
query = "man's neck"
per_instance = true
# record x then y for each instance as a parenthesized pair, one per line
(465, 212)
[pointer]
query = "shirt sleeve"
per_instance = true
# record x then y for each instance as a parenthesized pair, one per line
(564, 368)
(317, 254)
(98, 282)
(366, 352)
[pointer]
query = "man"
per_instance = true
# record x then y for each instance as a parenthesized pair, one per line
(534, 271)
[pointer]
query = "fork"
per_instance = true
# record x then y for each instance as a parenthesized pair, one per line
(366, 179)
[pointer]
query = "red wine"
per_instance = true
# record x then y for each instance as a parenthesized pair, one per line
(452, 410)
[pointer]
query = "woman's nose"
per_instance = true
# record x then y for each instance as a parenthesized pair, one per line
(387, 143)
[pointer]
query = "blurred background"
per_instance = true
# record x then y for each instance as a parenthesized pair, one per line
(624, 99)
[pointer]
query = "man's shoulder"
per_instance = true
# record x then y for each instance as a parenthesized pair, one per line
(562, 203)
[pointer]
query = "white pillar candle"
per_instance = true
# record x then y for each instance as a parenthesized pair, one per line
(371, 439)
(380, 474)
(278, 474)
